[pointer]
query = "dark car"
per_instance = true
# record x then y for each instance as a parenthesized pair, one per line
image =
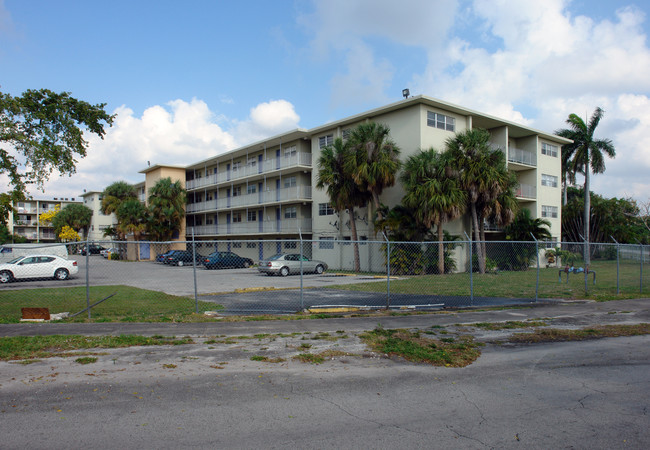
(222, 260)
(94, 249)
(180, 258)
(161, 256)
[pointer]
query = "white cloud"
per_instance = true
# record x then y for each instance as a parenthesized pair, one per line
(178, 133)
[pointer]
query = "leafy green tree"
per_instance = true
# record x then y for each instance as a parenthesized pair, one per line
(166, 208)
(376, 160)
(7, 238)
(483, 175)
(523, 227)
(131, 218)
(40, 132)
(341, 188)
(76, 216)
(115, 194)
(433, 193)
(585, 155)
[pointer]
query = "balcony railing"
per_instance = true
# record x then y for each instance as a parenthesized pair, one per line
(270, 165)
(520, 156)
(526, 191)
(256, 199)
(270, 226)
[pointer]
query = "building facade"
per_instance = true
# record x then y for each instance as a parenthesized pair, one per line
(266, 190)
(100, 221)
(25, 221)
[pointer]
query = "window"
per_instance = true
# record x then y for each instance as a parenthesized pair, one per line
(549, 180)
(290, 212)
(251, 189)
(236, 191)
(236, 244)
(251, 244)
(324, 141)
(549, 150)
(441, 121)
(552, 243)
(289, 182)
(290, 244)
(324, 209)
(326, 243)
(252, 162)
(346, 133)
(549, 211)
(236, 166)
(290, 151)
(236, 217)
(252, 216)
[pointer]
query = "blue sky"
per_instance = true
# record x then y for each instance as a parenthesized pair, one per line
(192, 79)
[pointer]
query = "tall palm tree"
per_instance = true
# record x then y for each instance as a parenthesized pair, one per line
(585, 155)
(167, 208)
(376, 160)
(341, 188)
(115, 194)
(482, 174)
(433, 193)
(132, 217)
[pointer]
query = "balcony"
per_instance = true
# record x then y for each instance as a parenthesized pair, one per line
(270, 165)
(524, 157)
(295, 193)
(289, 226)
(526, 191)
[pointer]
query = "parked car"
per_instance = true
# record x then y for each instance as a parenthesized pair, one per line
(284, 264)
(106, 253)
(37, 266)
(180, 258)
(160, 257)
(94, 249)
(222, 260)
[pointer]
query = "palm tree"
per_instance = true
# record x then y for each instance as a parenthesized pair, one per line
(115, 194)
(585, 155)
(341, 188)
(433, 193)
(132, 217)
(482, 174)
(524, 226)
(376, 160)
(167, 208)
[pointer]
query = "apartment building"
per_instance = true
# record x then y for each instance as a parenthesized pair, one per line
(266, 190)
(25, 222)
(99, 221)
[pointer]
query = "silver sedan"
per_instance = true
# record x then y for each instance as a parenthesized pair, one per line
(284, 264)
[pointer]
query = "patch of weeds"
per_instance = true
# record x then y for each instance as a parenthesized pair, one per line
(413, 347)
(210, 341)
(602, 331)
(448, 340)
(267, 359)
(261, 336)
(305, 346)
(334, 353)
(509, 325)
(258, 358)
(86, 360)
(340, 332)
(26, 361)
(169, 366)
(309, 358)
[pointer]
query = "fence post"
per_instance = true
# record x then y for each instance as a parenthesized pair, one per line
(537, 253)
(471, 270)
(196, 295)
(584, 258)
(641, 269)
(387, 270)
(87, 274)
(302, 301)
(617, 263)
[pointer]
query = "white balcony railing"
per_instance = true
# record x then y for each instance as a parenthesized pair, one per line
(256, 199)
(270, 165)
(270, 226)
(520, 156)
(526, 191)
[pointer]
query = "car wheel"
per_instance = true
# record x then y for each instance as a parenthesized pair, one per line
(284, 271)
(319, 269)
(5, 276)
(61, 274)
(180, 263)
(246, 264)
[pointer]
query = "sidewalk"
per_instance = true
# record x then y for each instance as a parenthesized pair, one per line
(573, 313)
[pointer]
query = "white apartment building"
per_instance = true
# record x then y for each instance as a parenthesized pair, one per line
(25, 222)
(266, 190)
(99, 221)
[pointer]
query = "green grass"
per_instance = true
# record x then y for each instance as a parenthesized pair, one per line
(130, 304)
(520, 284)
(32, 347)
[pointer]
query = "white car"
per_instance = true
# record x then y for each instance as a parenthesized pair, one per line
(37, 266)
(283, 264)
(106, 253)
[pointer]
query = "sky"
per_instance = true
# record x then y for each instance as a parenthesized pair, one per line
(190, 80)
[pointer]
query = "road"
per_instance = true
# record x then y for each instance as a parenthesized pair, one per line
(589, 394)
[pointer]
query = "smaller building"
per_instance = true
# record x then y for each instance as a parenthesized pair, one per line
(100, 221)
(25, 221)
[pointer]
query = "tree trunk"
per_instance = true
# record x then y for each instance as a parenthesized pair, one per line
(353, 229)
(441, 250)
(477, 239)
(586, 215)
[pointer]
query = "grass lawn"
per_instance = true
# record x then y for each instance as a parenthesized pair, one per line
(521, 284)
(128, 305)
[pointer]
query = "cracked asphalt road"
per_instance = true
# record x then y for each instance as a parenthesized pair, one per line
(588, 394)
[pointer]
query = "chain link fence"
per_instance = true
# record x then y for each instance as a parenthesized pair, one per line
(139, 281)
